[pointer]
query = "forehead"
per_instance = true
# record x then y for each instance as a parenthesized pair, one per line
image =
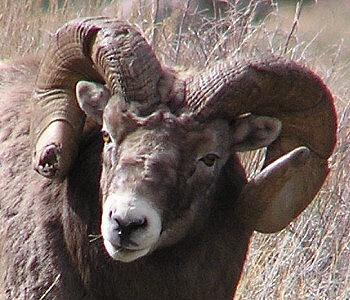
(158, 138)
(157, 128)
(160, 130)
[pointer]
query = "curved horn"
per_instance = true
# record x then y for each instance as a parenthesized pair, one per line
(300, 100)
(96, 49)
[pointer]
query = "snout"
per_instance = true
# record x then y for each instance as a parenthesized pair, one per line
(130, 226)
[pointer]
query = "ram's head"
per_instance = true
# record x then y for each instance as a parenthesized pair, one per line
(170, 138)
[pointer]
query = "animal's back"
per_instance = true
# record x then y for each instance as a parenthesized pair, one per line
(30, 215)
(16, 83)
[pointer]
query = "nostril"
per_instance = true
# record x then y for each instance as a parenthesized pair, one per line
(125, 227)
(137, 224)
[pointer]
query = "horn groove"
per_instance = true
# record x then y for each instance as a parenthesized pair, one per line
(296, 163)
(275, 88)
(96, 49)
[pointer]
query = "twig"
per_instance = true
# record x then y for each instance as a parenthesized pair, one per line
(178, 45)
(51, 287)
(155, 16)
(335, 60)
(298, 9)
(94, 237)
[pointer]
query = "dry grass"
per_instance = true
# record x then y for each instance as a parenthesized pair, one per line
(311, 258)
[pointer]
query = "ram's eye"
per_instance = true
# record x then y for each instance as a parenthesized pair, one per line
(210, 159)
(106, 137)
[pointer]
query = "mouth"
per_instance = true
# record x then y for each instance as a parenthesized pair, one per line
(123, 253)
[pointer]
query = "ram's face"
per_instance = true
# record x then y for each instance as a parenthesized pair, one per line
(157, 181)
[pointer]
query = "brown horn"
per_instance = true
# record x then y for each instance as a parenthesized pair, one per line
(301, 101)
(97, 49)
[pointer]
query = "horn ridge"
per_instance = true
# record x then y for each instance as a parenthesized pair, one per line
(274, 87)
(98, 49)
(135, 70)
(296, 163)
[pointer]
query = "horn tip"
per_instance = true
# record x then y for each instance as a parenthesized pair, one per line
(47, 163)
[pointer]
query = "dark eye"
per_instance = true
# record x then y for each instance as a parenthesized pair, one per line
(106, 137)
(210, 159)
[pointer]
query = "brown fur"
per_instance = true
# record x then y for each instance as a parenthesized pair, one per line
(45, 225)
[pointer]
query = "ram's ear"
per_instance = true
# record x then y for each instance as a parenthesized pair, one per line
(92, 98)
(254, 132)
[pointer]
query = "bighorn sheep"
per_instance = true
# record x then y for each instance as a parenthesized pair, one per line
(175, 209)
